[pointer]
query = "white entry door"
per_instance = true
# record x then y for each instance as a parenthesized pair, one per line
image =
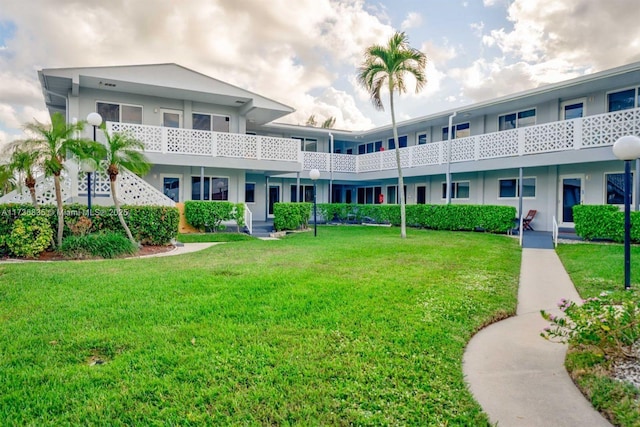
(571, 193)
(573, 109)
(171, 118)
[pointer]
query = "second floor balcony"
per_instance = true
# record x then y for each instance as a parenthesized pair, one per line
(562, 136)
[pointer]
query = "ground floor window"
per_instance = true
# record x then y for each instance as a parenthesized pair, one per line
(459, 190)
(421, 194)
(369, 195)
(171, 188)
(508, 188)
(305, 193)
(215, 188)
(392, 194)
(250, 192)
(615, 188)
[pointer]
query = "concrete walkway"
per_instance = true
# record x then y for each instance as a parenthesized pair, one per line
(185, 248)
(517, 376)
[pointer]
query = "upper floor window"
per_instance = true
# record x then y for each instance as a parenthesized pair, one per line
(422, 138)
(461, 130)
(622, 100)
(517, 120)
(402, 142)
(369, 147)
(210, 122)
(123, 113)
(307, 144)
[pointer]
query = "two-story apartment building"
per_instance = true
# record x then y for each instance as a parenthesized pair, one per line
(209, 140)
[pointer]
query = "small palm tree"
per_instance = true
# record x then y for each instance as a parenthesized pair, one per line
(52, 144)
(123, 151)
(7, 181)
(387, 67)
(23, 162)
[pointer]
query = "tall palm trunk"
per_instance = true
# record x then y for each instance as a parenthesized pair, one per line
(116, 203)
(30, 182)
(56, 182)
(403, 211)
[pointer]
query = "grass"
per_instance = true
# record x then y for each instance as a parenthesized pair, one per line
(597, 268)
(354, 327)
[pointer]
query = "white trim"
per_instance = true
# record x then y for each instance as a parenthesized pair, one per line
(426, 134)
(574, 101)
(535, 110)
(561, 178)
(172, 111)
(609, 92)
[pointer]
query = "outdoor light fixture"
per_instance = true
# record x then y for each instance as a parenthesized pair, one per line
(314, 174)
(89, 165)
(627, 148)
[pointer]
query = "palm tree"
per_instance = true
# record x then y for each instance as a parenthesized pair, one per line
(123, 151)
(329, 123)
(7, 182)
(387, 67)
(53, 143)
(24, 162)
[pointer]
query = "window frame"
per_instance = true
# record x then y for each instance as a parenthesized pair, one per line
(636, 101)
(210, 178)
(455, 189)
(120, 105)
(517, 188)
(605, 183)
(517, 113)
(454, 128)
(426, 138)
(254, 192)
(391, 142)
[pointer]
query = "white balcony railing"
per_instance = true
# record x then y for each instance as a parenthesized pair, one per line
(158, 139)
(591, 131)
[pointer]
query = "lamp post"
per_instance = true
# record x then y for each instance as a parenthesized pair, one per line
(314, 174)
(89, 165)
(627, 148)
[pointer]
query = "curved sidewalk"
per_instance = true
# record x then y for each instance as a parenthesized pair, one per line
(517, 376)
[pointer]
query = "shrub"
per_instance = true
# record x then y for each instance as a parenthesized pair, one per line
(495, 219)
(610, 324)
(104, 245)
(599, 222)
(208, 216)
(30, 236)
(291, 216)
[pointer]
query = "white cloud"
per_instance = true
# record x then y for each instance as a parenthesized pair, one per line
(280, 49)
(552, 41)
(413, 20)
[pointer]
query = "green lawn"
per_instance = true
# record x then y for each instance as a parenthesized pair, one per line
(213, 237)
(597, 268)
(354, 327)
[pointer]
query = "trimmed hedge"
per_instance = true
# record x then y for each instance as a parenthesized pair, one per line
(291, 216)
(208, 215)
(153, 225)
(604, 222)
(494, 219)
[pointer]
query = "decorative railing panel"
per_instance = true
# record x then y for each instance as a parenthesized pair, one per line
(312, 160)
(498, 144)
(344, 163)
(45, 191)
(591, 131)
(549, 137)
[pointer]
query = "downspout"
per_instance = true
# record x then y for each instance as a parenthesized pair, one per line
(449, 157)
(331, 167)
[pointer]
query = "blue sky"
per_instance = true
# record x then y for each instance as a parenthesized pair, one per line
(306, 53)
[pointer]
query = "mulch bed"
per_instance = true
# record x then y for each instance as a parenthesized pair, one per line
(145, 250)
